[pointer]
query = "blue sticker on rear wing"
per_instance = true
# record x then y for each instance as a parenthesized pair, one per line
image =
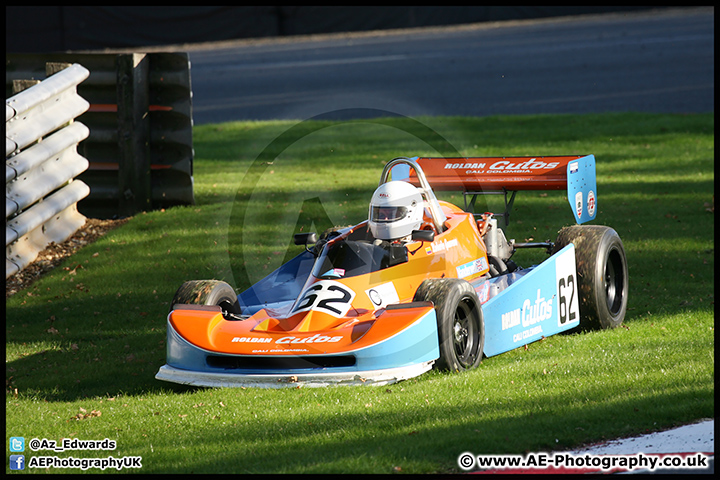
(582, 189)
(540, 304)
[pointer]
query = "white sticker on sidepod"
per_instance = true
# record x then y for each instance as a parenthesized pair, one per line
(567, 288)
(471, 268)
(383, 295)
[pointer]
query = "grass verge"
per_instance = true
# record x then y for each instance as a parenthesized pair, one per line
(84, 342)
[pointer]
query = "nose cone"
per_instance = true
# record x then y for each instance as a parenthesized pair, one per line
(313, 321)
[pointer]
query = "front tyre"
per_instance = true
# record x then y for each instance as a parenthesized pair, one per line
(461, 329)
(207, 292)
(602, 274)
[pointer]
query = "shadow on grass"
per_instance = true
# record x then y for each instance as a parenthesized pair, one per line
(416, 440)
(81, 362)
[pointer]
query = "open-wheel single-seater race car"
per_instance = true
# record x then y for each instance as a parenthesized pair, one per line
(420, 284)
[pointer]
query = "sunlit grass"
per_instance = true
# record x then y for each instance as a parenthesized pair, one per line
(90, 336)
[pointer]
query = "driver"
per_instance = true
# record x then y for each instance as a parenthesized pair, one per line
(396, 209)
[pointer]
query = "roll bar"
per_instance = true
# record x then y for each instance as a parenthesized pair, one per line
(438, 217)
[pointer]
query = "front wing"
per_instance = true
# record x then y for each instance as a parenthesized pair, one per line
(408, 353)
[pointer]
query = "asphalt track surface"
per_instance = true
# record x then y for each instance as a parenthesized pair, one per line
(654, 61)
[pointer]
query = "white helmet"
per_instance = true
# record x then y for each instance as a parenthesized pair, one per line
(396, 209)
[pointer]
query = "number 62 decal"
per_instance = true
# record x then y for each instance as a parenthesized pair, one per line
(326, 296)
(566, 278)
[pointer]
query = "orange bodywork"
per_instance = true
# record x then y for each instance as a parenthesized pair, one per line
(366, 321)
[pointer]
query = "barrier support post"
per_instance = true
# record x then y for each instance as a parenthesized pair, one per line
(134, 180)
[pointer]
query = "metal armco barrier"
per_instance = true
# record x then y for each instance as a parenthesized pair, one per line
(140, 146)
(40, 166)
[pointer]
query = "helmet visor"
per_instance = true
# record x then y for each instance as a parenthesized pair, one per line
(387, 214)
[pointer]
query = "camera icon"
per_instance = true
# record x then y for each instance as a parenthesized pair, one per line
(17, 444)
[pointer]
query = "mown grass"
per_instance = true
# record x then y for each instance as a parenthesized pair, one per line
(84, 343)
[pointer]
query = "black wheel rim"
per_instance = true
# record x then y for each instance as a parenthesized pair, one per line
(465, 336)
(614, 279)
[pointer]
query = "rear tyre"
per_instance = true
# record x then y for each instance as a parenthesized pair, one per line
(461, 329)
(602, 274)
(207, 292)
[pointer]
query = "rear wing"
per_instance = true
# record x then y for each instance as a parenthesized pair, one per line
(485, 175)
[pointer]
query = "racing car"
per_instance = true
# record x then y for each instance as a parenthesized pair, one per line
(420, 284)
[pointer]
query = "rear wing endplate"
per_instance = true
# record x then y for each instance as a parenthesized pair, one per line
(484, 175)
